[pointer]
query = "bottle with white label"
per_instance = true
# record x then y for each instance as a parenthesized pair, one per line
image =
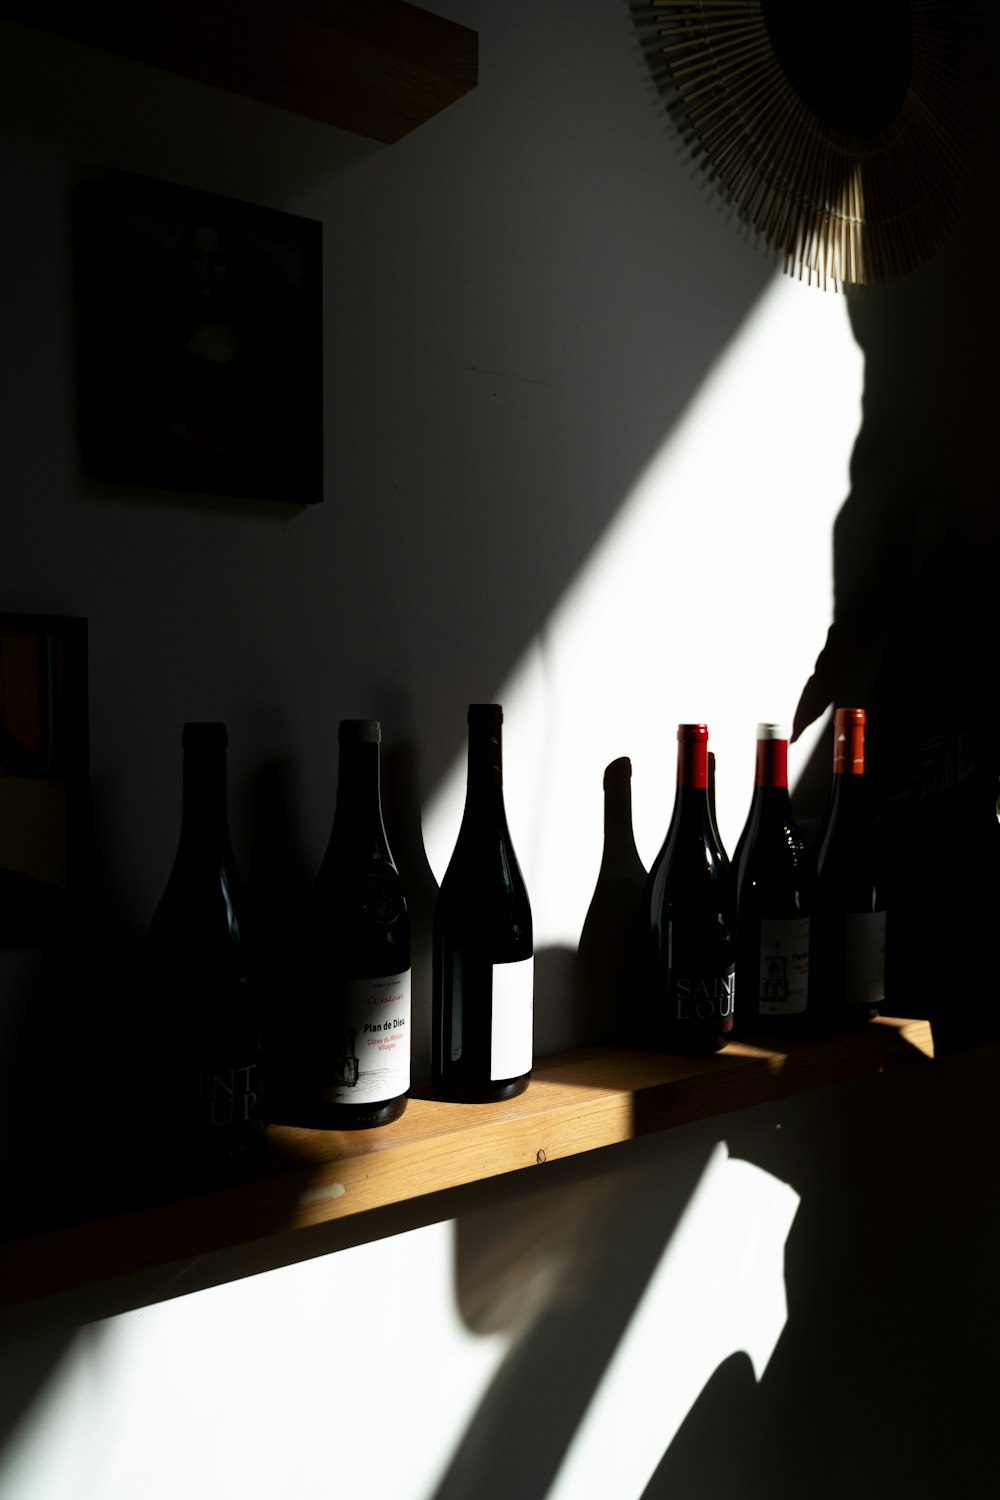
(772, 939)
(690, 929)
(483, 947)
(847, 947)
(351, 1063)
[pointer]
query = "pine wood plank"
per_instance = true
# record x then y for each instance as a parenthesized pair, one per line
(577, 1102)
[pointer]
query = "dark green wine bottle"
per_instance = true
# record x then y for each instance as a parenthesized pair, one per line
(206, 1014)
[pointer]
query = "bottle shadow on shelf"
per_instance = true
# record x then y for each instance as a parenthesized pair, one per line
(606, 970)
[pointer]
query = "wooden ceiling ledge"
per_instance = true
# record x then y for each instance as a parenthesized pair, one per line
(379, 68)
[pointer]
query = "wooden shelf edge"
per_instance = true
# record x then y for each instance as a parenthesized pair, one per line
(576, 1103)
(379, 68)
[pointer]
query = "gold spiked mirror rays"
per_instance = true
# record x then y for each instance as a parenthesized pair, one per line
(843, 135)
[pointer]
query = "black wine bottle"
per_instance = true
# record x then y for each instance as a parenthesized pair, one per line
(483, 953)
(772, 938)
(847, 965)
(350, 1054)
(200, 969)
(729, 877)
(688, 919)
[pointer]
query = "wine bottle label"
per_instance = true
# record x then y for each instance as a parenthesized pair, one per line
(864, 958)
(369, 1059)
(784, 967)
(229, 1097)
(705, 997)
(513, 1019)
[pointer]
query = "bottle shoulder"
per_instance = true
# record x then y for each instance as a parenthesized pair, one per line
(679, 887)
(843, 873)
(689, 852)
(361, 911)
(483, 858)
(844, 841)
(354, 844)
(363, 866)
(202, 897)
(483, 903)
(771, 849)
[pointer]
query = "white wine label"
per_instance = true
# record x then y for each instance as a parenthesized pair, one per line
(513, 1019)
(864, 958)
(370, 1047)
(784, 967)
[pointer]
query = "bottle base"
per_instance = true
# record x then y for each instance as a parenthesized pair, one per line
(694, 1046)
(318, 1115)
(492, 1091)
(842, 1018)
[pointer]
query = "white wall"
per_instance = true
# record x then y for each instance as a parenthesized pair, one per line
(523, 300)
(582, 451)
(794, 1300)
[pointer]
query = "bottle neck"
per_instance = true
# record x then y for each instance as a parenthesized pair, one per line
(692, 808)
(772, 764)
(848, 749)
(770, 801)
(692, 765)
(692, 812)
(847, 799)
(204, 821)
(848, 795)
(358, 813)
(485, 775)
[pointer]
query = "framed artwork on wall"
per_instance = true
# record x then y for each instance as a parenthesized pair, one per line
(199, 325)
(44, 771)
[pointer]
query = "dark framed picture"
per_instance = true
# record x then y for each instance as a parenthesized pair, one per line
(200, 341)
(44, 771)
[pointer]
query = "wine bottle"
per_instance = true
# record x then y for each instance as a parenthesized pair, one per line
(772, 936)
(688, 917)
(483, 953)
(609, 940)
(200, 969)
(847, 965)
(350, 1053)
(728, 865)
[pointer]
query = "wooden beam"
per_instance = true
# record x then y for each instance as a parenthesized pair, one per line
(377, 67)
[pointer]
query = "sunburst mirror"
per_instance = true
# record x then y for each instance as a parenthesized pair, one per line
(843, 136)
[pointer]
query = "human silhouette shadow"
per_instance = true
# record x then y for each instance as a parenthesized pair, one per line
(916, 549)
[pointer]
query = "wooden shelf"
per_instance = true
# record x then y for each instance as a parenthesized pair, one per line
(377, 67)
(576, 1103)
